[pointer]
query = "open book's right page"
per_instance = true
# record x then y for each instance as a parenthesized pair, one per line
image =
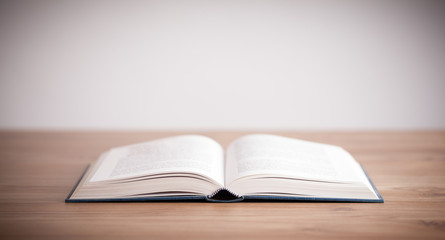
(267, 156)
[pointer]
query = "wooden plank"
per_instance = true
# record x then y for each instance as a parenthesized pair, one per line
(38, 169)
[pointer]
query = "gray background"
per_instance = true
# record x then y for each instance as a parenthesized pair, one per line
(268, 65)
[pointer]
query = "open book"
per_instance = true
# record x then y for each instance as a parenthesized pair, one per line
(193, 167)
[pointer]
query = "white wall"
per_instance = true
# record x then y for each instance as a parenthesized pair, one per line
(200, 65)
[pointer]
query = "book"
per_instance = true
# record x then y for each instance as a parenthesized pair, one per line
(254, 167)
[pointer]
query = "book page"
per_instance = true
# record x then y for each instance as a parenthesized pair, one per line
(188, 153)
(263, 154)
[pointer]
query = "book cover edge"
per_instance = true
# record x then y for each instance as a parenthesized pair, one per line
(68, 198)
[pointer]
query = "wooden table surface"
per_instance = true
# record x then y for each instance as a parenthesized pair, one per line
(38, 170)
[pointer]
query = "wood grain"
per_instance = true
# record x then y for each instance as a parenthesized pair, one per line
(38, 169)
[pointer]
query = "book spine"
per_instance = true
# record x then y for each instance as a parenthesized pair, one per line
(223, 189)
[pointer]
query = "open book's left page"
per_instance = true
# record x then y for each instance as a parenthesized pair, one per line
(188, 153)
(182, 165)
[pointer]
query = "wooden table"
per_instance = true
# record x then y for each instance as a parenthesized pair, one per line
(38, 169)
